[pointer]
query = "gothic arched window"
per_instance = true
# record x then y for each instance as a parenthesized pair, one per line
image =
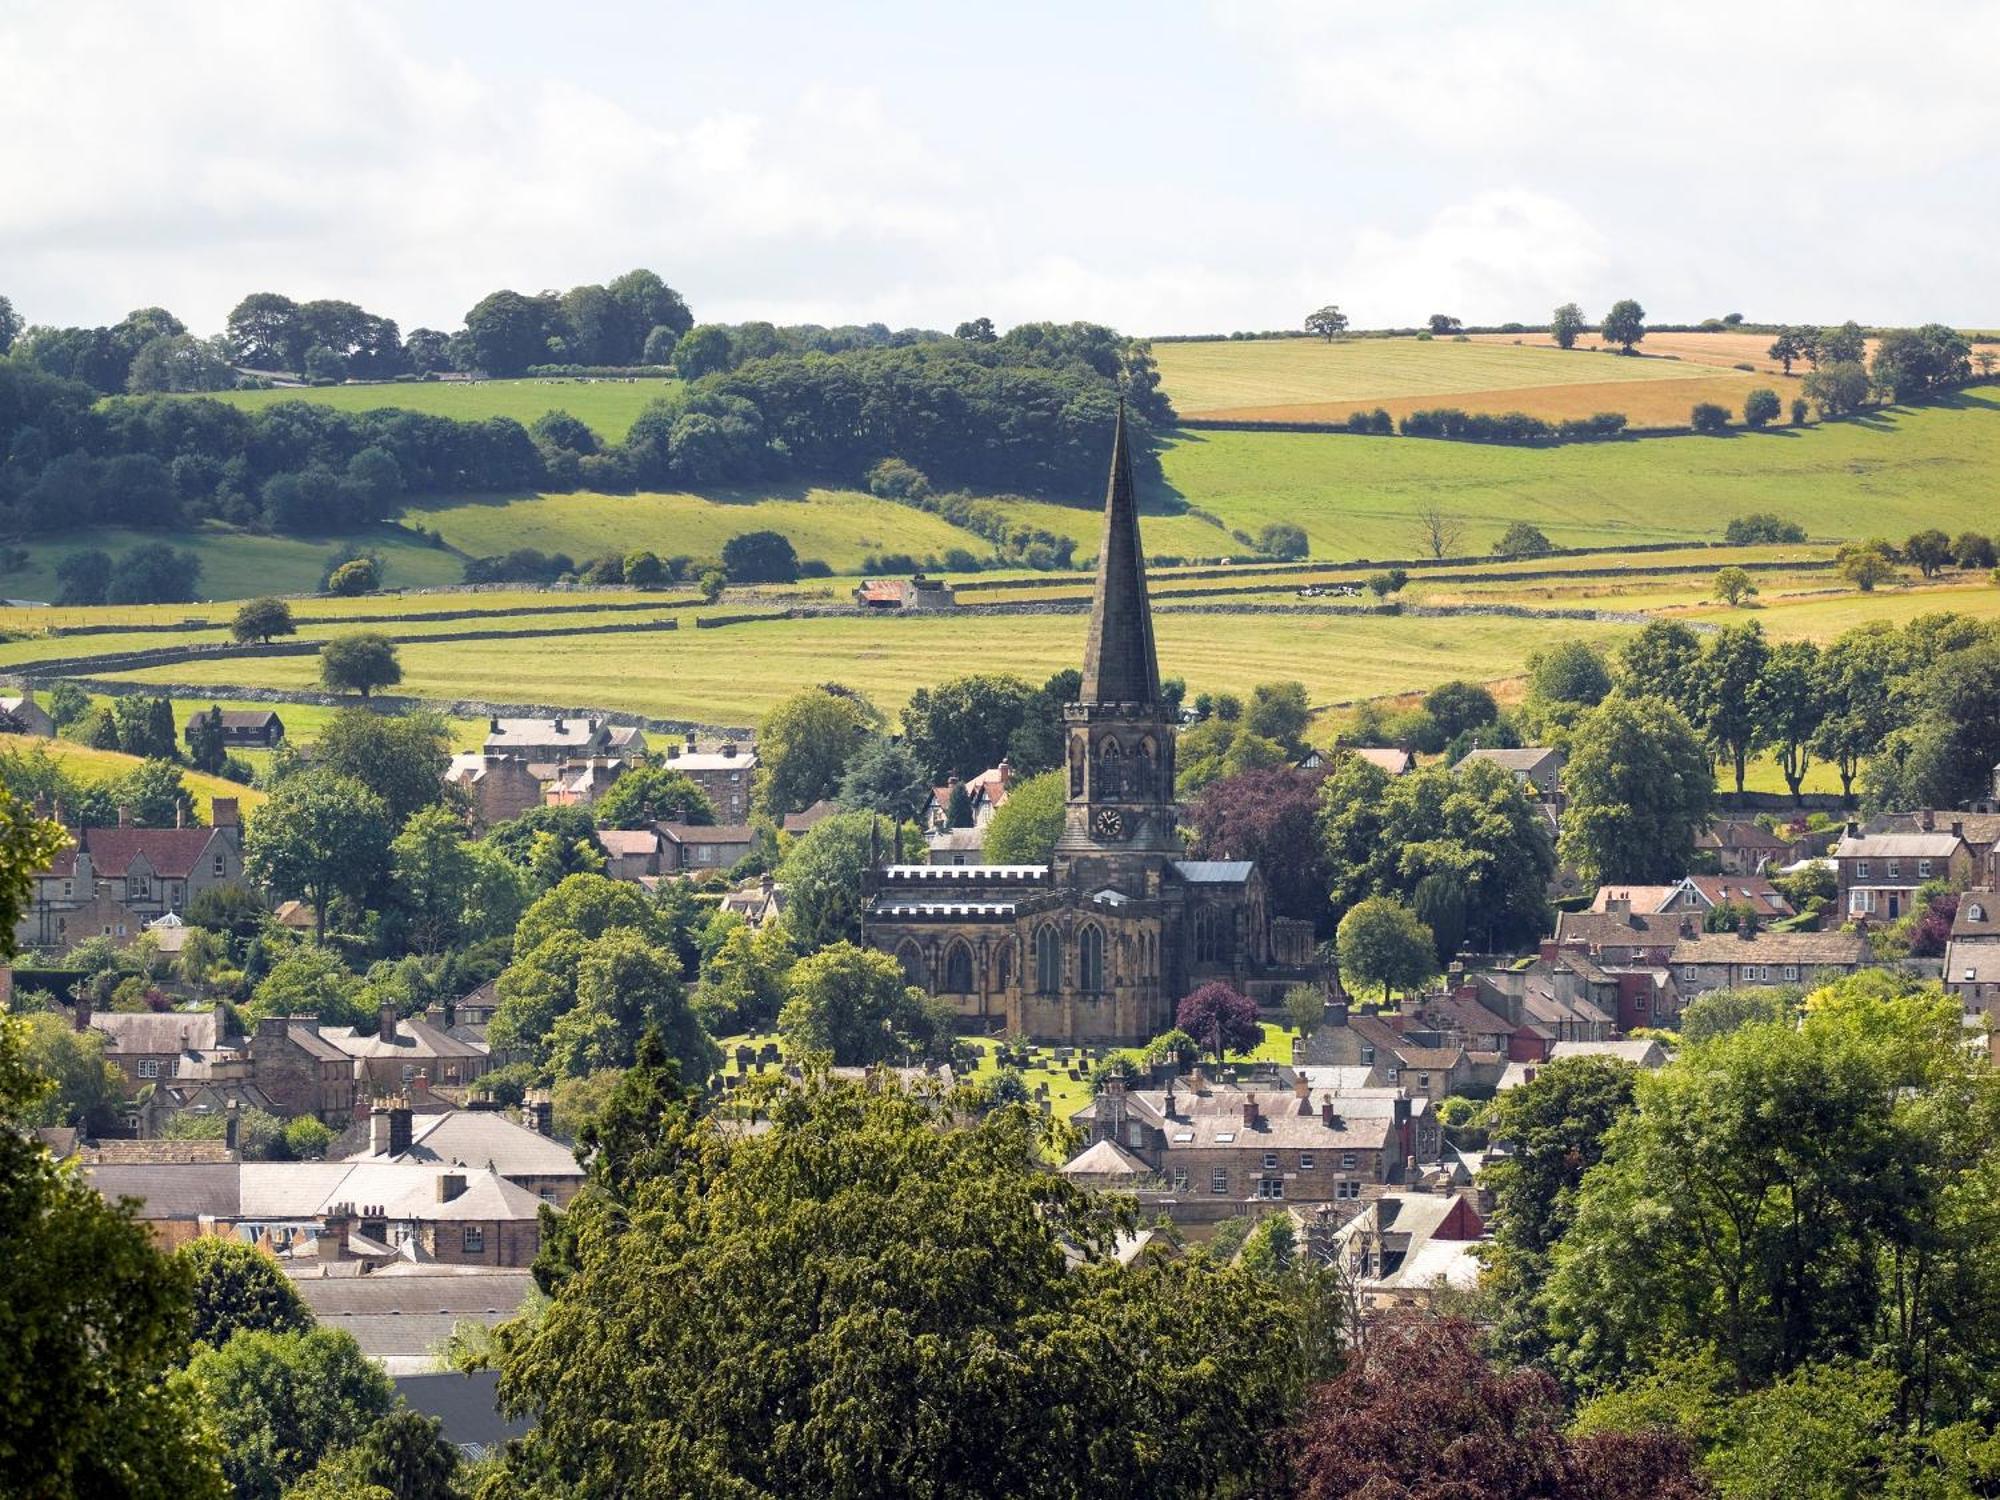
(1048, 960)
(1003, 965)
(1142, 769)
(1110, 771)
(911, 957)
(1090, 960)
(1209, 943)
(958, 970)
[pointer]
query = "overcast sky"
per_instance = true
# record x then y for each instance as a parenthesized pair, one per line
(1165, 167)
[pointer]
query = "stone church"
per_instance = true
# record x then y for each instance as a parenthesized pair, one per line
(1102, 944)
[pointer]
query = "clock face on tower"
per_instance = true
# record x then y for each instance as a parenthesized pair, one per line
(1110, 824)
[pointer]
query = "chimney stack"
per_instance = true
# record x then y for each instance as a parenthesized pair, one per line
(385, 1021)
(538, 1113)
(1252, 1118)
(1958, 828)
(449, 1186)
(1301, 1087)
(223, 812)
(1927, 820)
(124, 816)
(232, 1126)
(332, 1241)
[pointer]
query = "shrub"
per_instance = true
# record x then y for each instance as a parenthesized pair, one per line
(1709, 417)
(1283, 539)
(1522, 540)
(1760, 406)
(1762, 526)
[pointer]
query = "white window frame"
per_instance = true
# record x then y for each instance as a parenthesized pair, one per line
(1271, 1189)
(1180, 1179)
(149, 1067)
(1306, 1162)
(1861, 869)
(1218, 1180)
(1270, 1162)
(1347, 1161)
(1791, 971)
(1894, 868)
(472, 1239)
(1923, 869)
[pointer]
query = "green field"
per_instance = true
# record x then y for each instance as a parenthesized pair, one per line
(606, 406)
(92, 766)
(235, 564)
(732, 675)
(839, 527)
(1220, 375)
(1890, 473)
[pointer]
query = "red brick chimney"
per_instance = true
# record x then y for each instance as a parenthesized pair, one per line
(223, 812)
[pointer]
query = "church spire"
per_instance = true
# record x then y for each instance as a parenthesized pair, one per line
(1119, 664)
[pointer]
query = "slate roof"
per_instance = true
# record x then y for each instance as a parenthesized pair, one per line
(512, 734)
(1214, 871)
(1740, 890)
(1105, 1159)
(236, 718)
(1978, 913)
(414, 1039)
(1527, 759)
(1609, 929)
(158, 1032)
(1898, 846)
(172, 1192)
(1387, 758)
(1972, 962)
(629, 841)
(483, 1138)
(1808, 948)
(706, 833)
(1207, 1121)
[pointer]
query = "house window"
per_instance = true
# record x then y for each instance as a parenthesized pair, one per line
(1424, 1081)
(1368, 1054)
(1923, 869)
(1271, 1187)
(473, 1239)
(1305, 1161)
(1090, 960)
(1861, 869)
(547, 1195)
(1860, 902)
(149, 1068)
(1180, 1179)
(1347, 1161)
(1270, 1161)
(1048, 960)
(1895, 868)
(69, 888)
(1687, 971)
(1347, 1190)
(1791, 971)
(1218, 1179)
(409, 1071)
(219, 867)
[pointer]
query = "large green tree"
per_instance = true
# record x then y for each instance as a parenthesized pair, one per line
(1664, 661)
(282, 1401)
(1731, 667)
(855, 1005)
(432, 870)
(856, 1302)
(1640, 787)
(963, 725)
(93, 1320)
(805, 743)
(1025, 828)
(1553, 1128)
(1790, 704)
(1789, 1194)
(401, 759)
(646, 795)
(359, 662)
(1381, 942)
(320, 836)
(1383, 835)
(238, 1286)
(1858, 706)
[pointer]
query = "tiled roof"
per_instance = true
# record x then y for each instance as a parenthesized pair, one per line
(1394, 761)
(237, 718)
(1605, 929)
(1642, 898)
(1741, 890)
(172, 852)
(1105, 1159)
(1812, 948)
(1206, 1122)
(1736, 833)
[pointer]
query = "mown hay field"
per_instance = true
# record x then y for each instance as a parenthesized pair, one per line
(734, 674)
(608, 407)
(837, 527)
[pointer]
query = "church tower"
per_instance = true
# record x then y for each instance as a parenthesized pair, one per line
(1120, 822)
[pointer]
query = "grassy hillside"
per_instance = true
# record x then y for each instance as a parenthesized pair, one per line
(94, 766)
(608, 406)
(1889, 473)
(234, 564)
(839, 527)
(1312, 380)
